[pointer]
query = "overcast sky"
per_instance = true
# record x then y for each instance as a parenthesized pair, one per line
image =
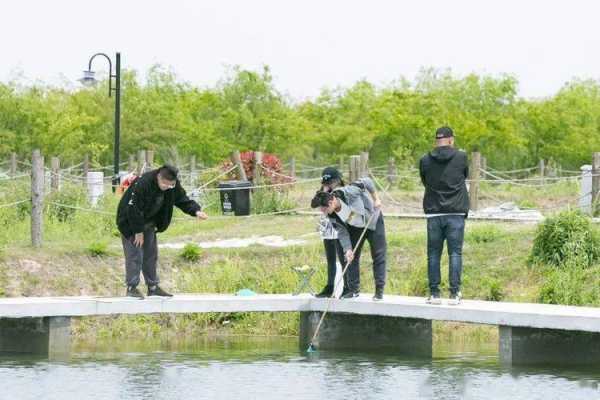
(308, 44)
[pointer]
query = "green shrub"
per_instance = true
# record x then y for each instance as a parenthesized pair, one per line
(526, 204)
(68, 196)
(566, 239)
(575, 285)
(483, 234)
(97, 249)
(11, 192)
(191, 252)
(494, 290)
(269, 200)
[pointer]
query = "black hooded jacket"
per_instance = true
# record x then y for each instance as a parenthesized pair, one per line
(444, 171)
(139, 202)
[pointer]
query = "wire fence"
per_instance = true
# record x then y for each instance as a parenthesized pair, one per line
(400, 188)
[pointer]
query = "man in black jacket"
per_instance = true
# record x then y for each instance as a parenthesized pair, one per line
(145, 209)
(446, 204)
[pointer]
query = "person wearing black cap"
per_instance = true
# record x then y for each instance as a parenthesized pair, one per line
(145, 209)
(349, 209)
(444, 171)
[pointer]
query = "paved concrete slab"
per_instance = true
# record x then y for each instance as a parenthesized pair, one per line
(481, 312)
(544, 316)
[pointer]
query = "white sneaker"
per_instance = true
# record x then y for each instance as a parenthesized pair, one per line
(434, 299)
(455, 299)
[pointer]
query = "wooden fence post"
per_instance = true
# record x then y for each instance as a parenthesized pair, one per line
(150, 159)
(391, 171)
(596, 184)
(236, 159)
(257, 168)
(131, 165)
(86, 165)
(354, 166)
(542, 167)
(141, 162)
(55, 177)
(364, 164)
(37, 197)
(474, 178)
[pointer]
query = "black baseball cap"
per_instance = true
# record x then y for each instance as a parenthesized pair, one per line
(444, 132)
(329, 174)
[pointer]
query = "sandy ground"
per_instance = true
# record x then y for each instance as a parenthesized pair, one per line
(269, 241)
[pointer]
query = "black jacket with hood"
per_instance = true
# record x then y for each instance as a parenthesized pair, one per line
(139, 200)
(444, 171)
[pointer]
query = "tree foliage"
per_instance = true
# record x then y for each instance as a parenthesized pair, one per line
(245, 111)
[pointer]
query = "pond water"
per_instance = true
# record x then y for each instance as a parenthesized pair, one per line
(259, 368)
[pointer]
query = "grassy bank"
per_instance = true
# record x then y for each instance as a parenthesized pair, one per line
(82, 255)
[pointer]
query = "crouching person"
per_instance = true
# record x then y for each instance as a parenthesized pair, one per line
(145, 209)
(351, 212)
(333, 252)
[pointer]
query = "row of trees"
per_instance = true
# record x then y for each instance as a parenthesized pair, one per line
(246, 111)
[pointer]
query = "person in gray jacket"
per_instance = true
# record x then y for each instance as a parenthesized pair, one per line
(350, 208)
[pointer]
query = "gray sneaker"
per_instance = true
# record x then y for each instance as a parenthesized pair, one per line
(455, 299)
(434, 299)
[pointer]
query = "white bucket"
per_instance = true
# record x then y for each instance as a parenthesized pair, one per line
(95, 186)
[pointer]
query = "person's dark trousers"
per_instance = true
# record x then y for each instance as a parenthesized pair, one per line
(449, 228)
(142, 259)
(333, 251)
(378, 245)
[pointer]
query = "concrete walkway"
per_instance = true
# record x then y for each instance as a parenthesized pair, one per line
(470, 311)
(528, 333)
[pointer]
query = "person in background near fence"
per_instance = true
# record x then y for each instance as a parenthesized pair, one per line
(145, 209)
(443, 172)
(349, 209)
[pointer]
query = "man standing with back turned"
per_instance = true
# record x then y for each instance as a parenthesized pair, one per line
(443, 172)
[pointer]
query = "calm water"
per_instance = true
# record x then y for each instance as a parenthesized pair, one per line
(268, 369)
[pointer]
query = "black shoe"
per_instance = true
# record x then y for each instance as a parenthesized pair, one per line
(157, 291)
(349, 294)
(133, 291)
(326, 292)
(378, 296)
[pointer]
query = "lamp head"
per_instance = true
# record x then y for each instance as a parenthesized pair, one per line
(88, 79)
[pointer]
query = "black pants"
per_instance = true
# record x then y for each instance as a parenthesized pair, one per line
(141, 259)
(378, 246)
(333, 251)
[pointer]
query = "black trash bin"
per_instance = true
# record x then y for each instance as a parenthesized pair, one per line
(235, 197)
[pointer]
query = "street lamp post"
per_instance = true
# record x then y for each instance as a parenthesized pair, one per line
(89, 79)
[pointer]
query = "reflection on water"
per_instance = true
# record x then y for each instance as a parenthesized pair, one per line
(276, 369)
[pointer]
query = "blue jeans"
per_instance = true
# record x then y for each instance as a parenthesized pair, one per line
(449, 228)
